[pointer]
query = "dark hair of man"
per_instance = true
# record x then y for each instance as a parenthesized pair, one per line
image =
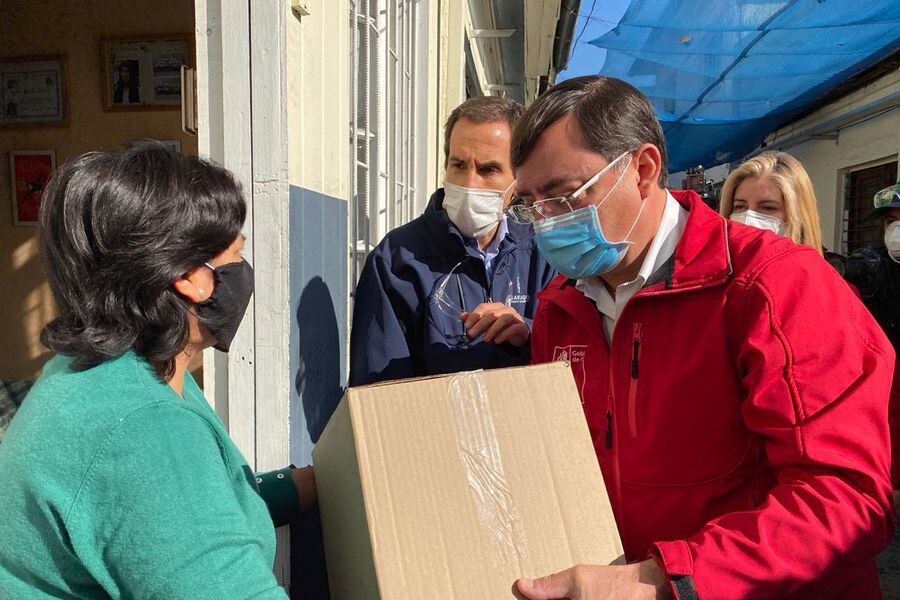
(116, 229)
(483, 109)
(614, 118)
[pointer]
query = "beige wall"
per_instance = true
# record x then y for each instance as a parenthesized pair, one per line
(867, 144)
(71, 28)
(451, 71)
(318, 64)
(874, 141)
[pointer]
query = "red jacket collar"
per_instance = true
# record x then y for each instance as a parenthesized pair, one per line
(702, 256)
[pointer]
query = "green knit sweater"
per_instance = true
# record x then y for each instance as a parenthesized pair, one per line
(111, 485)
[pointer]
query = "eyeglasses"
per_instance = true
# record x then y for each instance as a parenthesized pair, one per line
(521, 212)
(524, 212)
(449, 299)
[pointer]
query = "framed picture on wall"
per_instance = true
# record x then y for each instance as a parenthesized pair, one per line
(29, 172)
(32, 91)
(144, 73)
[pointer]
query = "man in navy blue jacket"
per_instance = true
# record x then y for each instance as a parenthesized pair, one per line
(453, 290)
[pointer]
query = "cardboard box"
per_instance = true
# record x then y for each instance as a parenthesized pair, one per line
(456, 486)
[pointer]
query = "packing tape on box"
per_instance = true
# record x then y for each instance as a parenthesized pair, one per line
(479, 451)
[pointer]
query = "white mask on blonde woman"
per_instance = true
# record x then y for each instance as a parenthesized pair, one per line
(760, 221)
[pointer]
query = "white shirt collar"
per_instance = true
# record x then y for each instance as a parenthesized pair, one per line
(662, 248)
(494, 246)
(663, 245)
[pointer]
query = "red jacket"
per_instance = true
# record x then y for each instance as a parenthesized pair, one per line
(894, 420)
(739, 417)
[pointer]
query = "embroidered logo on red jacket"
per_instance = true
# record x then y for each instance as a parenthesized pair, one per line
(575, 356)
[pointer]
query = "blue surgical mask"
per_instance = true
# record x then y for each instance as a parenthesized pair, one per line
(574, 243)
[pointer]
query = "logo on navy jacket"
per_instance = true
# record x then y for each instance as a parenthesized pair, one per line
(515, 296)
(575, 356)
(516, 299)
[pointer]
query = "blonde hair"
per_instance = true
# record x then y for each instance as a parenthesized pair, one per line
(785, 171)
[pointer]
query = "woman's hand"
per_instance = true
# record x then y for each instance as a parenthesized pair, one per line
(305, 481)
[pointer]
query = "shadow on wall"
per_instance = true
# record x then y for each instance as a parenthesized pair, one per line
(318, 379)
(318, 384)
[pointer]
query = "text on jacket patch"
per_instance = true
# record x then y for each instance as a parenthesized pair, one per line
(575, 356)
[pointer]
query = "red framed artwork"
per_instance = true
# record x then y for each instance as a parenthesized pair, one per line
(30, 172)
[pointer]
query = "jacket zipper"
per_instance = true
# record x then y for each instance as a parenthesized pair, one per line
(636, 337)
(609, 426)
(610, 398)
(613, 452)
(497, 265)
(614, 458)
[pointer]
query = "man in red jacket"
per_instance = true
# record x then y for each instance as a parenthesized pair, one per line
(735, 388)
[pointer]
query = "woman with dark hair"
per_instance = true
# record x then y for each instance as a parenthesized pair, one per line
(127, 89)
(117, 479)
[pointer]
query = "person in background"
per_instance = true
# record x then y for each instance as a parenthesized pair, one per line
(875, 272)
(772, 191)
(734, 387)
(454, 289)
(117, 479)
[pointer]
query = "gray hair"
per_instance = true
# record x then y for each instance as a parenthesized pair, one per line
(483, 109)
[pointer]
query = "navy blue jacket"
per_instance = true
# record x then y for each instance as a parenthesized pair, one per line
(414, 285)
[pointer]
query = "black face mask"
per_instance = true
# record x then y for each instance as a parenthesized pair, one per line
(223, 311)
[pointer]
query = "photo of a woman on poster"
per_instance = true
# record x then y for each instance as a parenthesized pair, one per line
(127, 86)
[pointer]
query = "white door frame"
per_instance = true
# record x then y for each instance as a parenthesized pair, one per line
(242, 117)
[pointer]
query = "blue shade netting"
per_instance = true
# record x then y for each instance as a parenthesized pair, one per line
(722, 74)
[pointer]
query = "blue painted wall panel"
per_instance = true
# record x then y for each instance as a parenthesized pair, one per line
(318, 230)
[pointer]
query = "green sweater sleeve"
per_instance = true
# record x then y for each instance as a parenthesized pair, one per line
(163, 514)
(278, 491)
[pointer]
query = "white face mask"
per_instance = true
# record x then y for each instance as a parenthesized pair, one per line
(474, 212)
(760, 221)
(892, 240)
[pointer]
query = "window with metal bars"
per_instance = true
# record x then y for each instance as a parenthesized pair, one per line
(384, 69)
(860, 186)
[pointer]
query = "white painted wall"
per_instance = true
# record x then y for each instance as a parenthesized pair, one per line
(540, 32)
(275, 108)
(269, 134)
(828, 162)
(865, 144)
(243, 126)
(426, 104)
(870, 142)
(318, 97)
(224, 136)
(449, 68)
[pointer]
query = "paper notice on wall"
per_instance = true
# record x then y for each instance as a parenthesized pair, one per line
(147, 72)
(31, 91)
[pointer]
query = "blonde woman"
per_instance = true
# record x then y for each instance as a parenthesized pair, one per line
(772, 191)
